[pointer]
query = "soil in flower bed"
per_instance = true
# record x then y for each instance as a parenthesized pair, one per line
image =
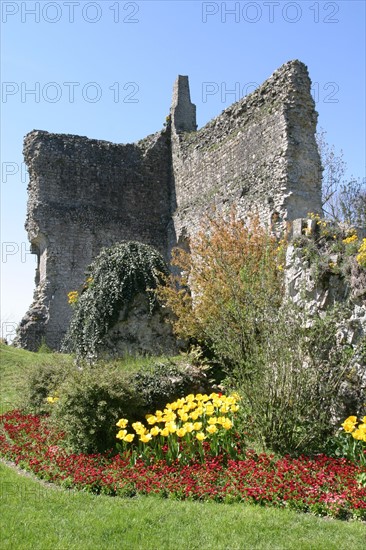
(321, 485)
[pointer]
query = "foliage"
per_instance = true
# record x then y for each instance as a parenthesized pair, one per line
(180, 431)
(287, 366)
(42, 381)
(352, 202)
(351, 440)
(350, 443)
(322, 485)
(329, 248)
(44, 348)
(361, 256)
(166, 380)
(229, 282)
(114, 278)
(85, 402)
(295, 375)
(89, 400)
(342, 201)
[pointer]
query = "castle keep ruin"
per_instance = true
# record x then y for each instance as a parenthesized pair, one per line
(84, 194)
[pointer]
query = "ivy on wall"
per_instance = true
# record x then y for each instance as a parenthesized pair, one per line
(115, 277)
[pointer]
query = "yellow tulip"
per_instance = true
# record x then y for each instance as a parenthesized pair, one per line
(52, 399)
(359, 434)
(210, 410)
(200, 436)
(181, 432)
(129, 438)
(197, 426)
(227, 424)
(211, 429)
(164, 432)
(122, 423)
(155, 431)
(171, 426)
(121, 434)
(349, 423)
(170, 416)
(145, 438)
(139, 428)
(189, 427)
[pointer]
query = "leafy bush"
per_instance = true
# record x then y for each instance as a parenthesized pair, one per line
(43, 380)
(229, 281)
(287, 366)
(87, 402)
(115, 277)
(295, 373)
(361, 256)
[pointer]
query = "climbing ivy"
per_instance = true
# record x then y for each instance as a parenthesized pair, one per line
(115, 277)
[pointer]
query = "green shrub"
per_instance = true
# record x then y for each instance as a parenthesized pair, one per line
(90, 402)
(229, 281)
(92, 399)
(43, 380)
(115, 277)
(167, 381)
(295, 374)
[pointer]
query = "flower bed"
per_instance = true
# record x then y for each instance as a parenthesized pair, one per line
(322, 485)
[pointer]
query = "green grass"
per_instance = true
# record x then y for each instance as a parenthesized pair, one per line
(34, 516)
(14, 363)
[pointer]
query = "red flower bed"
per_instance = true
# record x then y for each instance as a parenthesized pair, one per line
(321, 485)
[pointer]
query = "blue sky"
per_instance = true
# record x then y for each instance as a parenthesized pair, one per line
(106, 70)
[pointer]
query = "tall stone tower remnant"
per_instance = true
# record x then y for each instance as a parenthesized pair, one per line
(183, 112)
(85, 194)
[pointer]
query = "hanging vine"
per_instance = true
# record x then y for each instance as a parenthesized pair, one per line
(115, 277)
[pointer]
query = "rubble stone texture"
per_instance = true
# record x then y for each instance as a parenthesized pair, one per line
(260, 154)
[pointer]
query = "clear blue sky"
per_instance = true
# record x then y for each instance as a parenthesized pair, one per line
(106, 70)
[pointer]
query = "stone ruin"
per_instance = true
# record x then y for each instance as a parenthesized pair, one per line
(260, 155)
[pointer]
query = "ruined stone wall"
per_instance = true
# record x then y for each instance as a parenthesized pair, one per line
(84, 195)
(259, 154)
(320, 277)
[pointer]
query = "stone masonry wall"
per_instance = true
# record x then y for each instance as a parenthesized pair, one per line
(259, 154)
(84, 195)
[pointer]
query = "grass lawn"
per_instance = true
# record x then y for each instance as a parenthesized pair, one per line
(35, 516)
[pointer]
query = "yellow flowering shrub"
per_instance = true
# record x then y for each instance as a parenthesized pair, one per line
(351, 239)
(73, 297)
(52, 399)
(178, 432)
(361, 256)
